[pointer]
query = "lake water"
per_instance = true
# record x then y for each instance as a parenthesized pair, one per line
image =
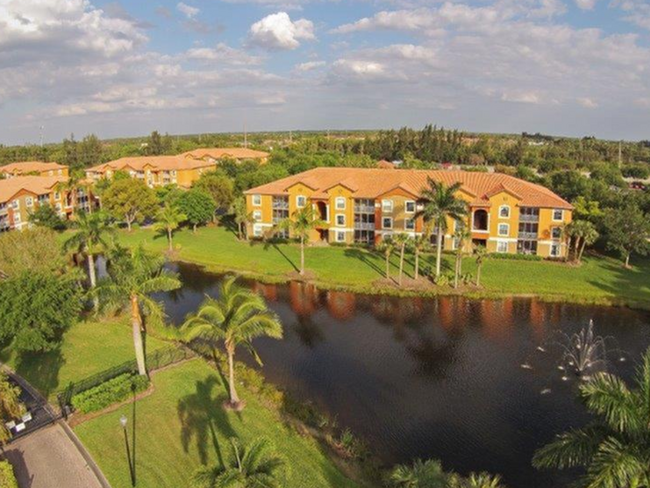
(433, 378)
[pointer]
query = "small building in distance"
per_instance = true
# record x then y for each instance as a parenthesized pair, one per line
(35, 168)
(218, 153)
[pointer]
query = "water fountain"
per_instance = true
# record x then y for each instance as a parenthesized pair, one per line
(585, 353)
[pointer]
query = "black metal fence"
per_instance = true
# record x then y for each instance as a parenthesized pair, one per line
(155, 360)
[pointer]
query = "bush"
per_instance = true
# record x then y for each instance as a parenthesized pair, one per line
(7, 478)
(517, 257)
(113, 391)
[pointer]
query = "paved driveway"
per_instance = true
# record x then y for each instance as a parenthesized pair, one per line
(50, 459)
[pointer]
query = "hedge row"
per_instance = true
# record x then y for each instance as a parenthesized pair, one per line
(7, 478)
(517, 257)
(113, 391)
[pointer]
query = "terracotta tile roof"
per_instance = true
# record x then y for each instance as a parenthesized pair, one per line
(164, 163)
(372, 182)
(30, 167)
(226, 152)
(38, 185)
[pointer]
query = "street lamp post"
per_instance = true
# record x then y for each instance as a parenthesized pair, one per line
(123, 422)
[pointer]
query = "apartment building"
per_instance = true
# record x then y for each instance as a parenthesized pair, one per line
(21, 195)
(215, 154)
(36, 168)
(505, 214)
(155, 170)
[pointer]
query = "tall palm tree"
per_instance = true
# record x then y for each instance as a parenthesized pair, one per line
(461, 234)
(237, 317)
(583, 233)
(133, 275)
(300, 224)
(92, 231)
(421, 474)
(481, 254)
(254, 466)
(10, 405)
(386, 247)
(441, 204)
(615, 447)
(401, 241)
(168, 219)
(420, 244)
(241, 216)
(476, 480)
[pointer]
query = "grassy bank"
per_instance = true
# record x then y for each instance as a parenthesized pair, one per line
(182, 426)
(598, 280)
(87, 348)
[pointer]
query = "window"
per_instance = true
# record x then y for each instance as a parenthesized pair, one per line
(555, 250)
(340, 220)
(387, 206)
(29, 201)
(340, 236)
(257, 200)
(558, 215)
(387, 223)
(504, 229)
(257, 216)
(340, 203)
(504, 212)
(57, 196)
(556, 232)
(409, 224)
(409, 206)
(258, 231)
(301, 201)
(502, 247)
(16, 218)
(15, 204)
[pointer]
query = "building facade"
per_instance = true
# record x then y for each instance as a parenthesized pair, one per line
(35, 168)
(505, 214)
(216, 154)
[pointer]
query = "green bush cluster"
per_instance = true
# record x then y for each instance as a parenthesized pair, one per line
(517, 257)
(7, 478)
(112, 391)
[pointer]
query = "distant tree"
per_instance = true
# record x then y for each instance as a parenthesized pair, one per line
(133, 275)
(587, 210)
(130, 200)
(36, 308)
(481, 254)
(89, 151)
(401, 241)
(387, 246)
(154, 144)
(237, 317)
(46, 216)
(197, 206)
(569, 184)
(627, 231)
(242, 216)
(168, 219)
(218, 186)
(420, 474)
(10, 406)
(31, 250)
(254, 466)
(301, 224)
(615, 446)
(441, 204)
(168, 194)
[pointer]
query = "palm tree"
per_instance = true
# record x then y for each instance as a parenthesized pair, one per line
(481, 254)
(237, 317)
(421, 474)
(91, 233)
(401, 241)
(169, 218)
(460, 236)
(133, 275)
(300, 225)
(476, 480)
(10, 405)
(585, 234)
(441, 204)
(241, 216)
(386, 246)
(420, 244)
(255, 466)
(615, 447)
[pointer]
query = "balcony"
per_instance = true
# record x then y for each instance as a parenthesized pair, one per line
(363, 226)
(284, 205)
(368, 209)
(529, 218)
(530, 236)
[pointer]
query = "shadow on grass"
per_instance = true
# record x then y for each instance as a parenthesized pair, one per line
(631, 284)
(268, 244)
(364, 258)
(203, 419)
(40, 369)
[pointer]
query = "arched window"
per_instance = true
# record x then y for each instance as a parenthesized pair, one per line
(504, 212)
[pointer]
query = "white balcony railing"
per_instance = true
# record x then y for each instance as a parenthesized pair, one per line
(364, 209)
(363, 226)
(528, 218)
(528, 235)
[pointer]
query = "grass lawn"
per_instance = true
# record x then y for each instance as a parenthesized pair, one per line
(87, 348)
(598, 280)
(182, 425)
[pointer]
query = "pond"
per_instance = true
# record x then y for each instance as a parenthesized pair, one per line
(474, 383)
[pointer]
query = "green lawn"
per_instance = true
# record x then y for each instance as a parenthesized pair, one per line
(87, 348)
(182, 425)
(599, 279)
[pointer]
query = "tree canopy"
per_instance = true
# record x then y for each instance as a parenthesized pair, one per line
(130, 200)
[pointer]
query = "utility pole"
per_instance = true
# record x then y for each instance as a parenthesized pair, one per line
(41, 136)
(620, 154)
(245, 136)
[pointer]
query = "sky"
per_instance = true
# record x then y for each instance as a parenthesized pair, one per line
(121, 68)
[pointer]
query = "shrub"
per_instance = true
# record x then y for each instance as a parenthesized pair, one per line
(7, 478)
(112, 391)
(517, 257)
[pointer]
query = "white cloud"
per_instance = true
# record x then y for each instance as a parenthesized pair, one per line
(187, 10)
(587, 102)
(224, 54)
(310, 66)
(586, 4)
(637, 12)
(279, 32)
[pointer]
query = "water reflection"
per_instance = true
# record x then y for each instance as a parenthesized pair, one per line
(427, 378)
